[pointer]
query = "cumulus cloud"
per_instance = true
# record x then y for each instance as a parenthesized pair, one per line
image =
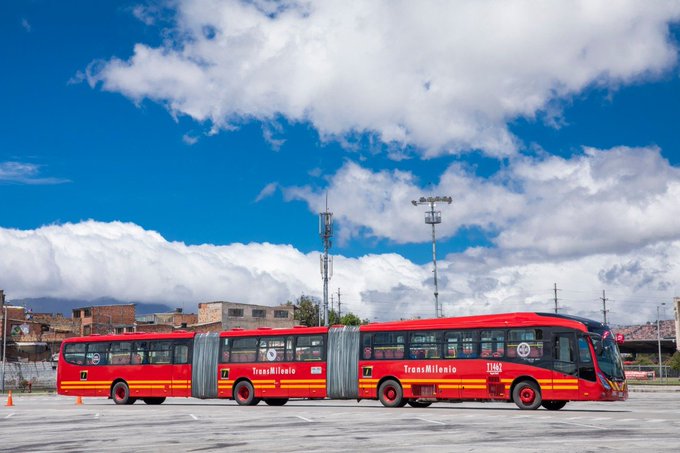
(441, 76)
(599, 201)
(92, 259)
(25, 173)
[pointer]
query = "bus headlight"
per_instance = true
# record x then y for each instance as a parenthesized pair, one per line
(604, 382)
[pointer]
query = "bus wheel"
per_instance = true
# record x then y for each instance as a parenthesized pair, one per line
(416, 403)
(158, 400)
(553, 405)
(244, 394)
(276, 401)
(391, 394)
(120, 393)
(527, 395)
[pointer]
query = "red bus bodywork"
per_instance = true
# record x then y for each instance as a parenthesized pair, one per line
(351, 363)
(143, 380)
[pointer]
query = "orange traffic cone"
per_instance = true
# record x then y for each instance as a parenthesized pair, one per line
(9, 399)
(79, 400)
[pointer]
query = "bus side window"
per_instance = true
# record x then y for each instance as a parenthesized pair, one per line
(586, 369)
(181, 354)
(120, 352)
(75, 353)
(565, 359)
(367, 350)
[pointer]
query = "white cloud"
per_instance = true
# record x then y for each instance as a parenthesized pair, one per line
(443, 76)
(92, 259)
(267, 191)
(601, 201)
(25, 173)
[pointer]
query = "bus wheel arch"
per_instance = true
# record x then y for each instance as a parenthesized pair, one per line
(120, 392)
(391, 393)
(526, 393)
(244, 393)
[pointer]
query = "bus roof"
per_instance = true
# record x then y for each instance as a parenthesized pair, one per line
(502, 320)
(267, 331)
(132, 336)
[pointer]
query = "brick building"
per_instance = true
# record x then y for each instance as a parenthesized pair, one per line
(246, 316)
(165, 322)
(105, 319)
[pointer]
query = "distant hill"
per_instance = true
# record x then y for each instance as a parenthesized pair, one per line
(65, 306)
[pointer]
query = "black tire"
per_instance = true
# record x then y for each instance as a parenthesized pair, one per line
(120, 393)
(553, 405)
(158, 400)
(276, 401)
(244, 394)
(419, 404)
(391, 394)
(527, 395)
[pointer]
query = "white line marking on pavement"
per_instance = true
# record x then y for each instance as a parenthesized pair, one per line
(584, 425)
(303, 418)
(9, 415)
(431, 421)
(96, 415)
(193, 416)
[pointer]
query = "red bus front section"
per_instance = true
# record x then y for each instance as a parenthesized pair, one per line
(528, 358)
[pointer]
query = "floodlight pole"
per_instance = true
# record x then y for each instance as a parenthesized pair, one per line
(4, 342)
(433, 217)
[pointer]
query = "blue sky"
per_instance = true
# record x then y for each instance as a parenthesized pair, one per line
(215, 129)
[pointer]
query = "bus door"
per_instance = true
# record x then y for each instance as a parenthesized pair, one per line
(588, 385)
(181, 370)
(565, 383)
(310, 364)
(159, 369)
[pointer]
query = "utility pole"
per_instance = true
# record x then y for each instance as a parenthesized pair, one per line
(658, 338)
(433, 217)
(332, 305)
(339, 309)
(4, 336)
(326, 232)
(555, 290)
(604, 307)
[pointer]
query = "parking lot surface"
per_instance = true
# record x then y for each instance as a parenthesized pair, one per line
(646, 422)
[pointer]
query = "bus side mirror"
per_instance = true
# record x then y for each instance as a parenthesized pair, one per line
(620, 339)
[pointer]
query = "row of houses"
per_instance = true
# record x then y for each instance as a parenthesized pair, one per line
(31, 336)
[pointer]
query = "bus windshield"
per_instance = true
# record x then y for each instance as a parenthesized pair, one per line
(608, 356)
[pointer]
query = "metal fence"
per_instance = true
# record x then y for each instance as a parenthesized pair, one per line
(649, 372)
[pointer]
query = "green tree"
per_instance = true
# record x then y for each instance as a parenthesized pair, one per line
(306, 311)
(674, 362)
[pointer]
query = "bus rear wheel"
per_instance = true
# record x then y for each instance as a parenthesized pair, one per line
(527, 395)
(120, 393)
(244, 394)
(276, 401)
(391, 394)
(553, 405)
(158, 400)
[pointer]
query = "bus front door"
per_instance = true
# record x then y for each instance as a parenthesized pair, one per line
(565, 385)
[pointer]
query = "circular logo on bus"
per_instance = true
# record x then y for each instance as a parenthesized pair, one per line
(271, 354)
(95, 359)
(523, 350)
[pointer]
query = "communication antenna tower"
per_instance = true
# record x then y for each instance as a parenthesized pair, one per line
(326, 232)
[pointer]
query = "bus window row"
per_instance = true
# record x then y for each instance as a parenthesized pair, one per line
(454, 344)
(291, 348)
(128, 353)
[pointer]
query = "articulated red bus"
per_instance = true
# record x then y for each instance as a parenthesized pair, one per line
(532, 359)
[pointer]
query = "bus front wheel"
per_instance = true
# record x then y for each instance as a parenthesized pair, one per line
(419, 404)
(527, 395)
(391, 394)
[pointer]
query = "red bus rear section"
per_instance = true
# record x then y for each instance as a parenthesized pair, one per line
(531, 359)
